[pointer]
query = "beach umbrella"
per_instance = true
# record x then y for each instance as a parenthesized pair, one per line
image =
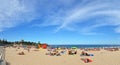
(74, 47)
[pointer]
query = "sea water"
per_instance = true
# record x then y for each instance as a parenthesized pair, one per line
(86, 46)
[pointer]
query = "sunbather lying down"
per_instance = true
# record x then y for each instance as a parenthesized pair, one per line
(72, 52)
(84, 54)
(21, 53)
(53, 54)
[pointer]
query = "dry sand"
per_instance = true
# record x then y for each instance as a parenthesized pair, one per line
(39, 58)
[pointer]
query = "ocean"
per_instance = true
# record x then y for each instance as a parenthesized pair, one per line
(86, 46)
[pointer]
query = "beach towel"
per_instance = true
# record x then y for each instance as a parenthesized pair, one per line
(86, 60)
(91, 54)
(88, 55)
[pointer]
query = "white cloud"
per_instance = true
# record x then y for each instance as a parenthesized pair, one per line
(93, 9)
(12, 13)
(64, 14)
(15, 12)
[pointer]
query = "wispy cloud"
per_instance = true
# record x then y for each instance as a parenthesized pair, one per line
(83, 16)
(94, 9)
(13, 13)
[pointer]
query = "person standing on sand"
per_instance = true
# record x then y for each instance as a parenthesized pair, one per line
(28, 48)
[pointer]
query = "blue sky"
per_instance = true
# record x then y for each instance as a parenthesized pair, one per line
(61, 21)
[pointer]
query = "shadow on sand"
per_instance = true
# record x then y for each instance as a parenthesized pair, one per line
(7, 63)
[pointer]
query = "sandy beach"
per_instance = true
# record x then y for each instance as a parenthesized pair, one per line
(59, 32)
(101, 57)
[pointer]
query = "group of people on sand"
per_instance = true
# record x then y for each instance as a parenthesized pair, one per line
(86, 60)
(57, 52)
(54, 52)
(92, 49)
(111, 49)
(22, 53)
(72, 51)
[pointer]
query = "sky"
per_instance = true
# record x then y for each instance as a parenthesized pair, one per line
(61, 21)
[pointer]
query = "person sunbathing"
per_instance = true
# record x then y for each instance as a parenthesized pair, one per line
(58, 54)
(21, 53)
(72, 52)
(84, 53)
